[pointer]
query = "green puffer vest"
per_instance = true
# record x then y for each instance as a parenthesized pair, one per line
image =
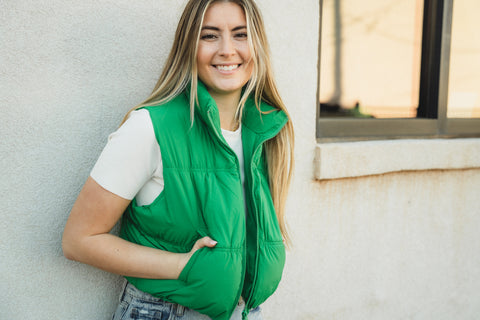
(203, 196)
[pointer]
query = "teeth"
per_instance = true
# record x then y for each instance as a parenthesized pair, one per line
(227, 68)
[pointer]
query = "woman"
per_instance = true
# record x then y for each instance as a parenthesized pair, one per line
(199, 174)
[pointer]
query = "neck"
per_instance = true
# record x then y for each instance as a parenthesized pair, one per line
(227, 107)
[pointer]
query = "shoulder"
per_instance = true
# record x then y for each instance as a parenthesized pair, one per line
(177, 105)
(137, 119)
(130, 157)
(136, 136)
(138, 127)
(169, 115)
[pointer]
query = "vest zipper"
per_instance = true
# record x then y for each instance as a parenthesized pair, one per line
(244, 265)
(248, 299)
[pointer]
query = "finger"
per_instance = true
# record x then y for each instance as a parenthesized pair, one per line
(204, 242)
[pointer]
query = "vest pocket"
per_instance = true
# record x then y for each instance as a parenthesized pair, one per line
(212, 280)
(270, 269)
(186, 270)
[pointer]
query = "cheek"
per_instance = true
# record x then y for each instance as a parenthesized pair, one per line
(203, 56)
(245, 51)
(247, 57)
(249, 66)
(201, 59)
(249, 71)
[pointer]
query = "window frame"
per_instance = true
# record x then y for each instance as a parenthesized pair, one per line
(431, 121)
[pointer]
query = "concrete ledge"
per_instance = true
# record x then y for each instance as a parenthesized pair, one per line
(354, 159)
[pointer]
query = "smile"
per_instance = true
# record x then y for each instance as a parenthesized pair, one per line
(227, 68)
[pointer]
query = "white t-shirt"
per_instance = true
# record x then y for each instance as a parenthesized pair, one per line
(131, 164)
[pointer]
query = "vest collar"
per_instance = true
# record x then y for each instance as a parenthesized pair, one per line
(266, 122)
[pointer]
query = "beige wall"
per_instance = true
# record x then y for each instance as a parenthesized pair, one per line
(392, 246)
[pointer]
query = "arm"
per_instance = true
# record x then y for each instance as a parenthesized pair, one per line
(86, 239)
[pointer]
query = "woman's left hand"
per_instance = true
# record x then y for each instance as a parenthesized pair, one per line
(203, 242)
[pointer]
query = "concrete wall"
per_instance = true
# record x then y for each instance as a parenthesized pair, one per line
(396, 245)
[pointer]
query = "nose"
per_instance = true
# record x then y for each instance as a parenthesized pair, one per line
(227, 47)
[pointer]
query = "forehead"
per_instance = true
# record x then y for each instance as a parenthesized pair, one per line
(221, 14)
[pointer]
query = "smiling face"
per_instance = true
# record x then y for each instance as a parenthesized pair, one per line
(223, 56)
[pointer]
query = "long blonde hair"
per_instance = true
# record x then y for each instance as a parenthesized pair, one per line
(181, 70)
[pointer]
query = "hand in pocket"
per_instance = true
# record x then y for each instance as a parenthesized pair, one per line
(185, 257)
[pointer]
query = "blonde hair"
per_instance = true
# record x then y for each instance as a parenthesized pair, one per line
(181, 70)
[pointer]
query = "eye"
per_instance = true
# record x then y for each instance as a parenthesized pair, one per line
(208, 36)
(241, 35)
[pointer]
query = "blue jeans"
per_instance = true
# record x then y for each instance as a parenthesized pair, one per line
(136, 304)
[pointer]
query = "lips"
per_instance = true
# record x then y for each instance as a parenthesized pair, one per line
(230, 67)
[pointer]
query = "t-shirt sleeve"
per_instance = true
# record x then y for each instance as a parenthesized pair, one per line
(130, 157)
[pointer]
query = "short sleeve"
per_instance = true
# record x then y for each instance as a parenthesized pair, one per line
(130, 158)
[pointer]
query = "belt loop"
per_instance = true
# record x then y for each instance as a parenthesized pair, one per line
(179, 310)
(124, 290)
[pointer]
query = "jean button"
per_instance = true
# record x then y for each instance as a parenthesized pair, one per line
(240, 301)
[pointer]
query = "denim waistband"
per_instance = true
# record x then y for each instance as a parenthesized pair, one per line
(130, 292)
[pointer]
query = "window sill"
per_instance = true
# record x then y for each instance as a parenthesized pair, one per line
(356, 159)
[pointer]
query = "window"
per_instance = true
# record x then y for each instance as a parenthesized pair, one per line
(384, 69)
(464, 79)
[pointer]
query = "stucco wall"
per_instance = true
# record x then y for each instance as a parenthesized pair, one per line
(393, 246)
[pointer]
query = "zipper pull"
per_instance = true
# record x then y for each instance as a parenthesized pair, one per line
(245, 313)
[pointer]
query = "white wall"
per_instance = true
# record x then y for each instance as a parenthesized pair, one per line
(69, 72)
(393, 246)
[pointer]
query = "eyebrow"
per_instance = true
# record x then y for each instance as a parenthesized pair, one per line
(218, 29)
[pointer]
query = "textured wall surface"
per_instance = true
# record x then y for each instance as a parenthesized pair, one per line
(69, 72)
(393, 246)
